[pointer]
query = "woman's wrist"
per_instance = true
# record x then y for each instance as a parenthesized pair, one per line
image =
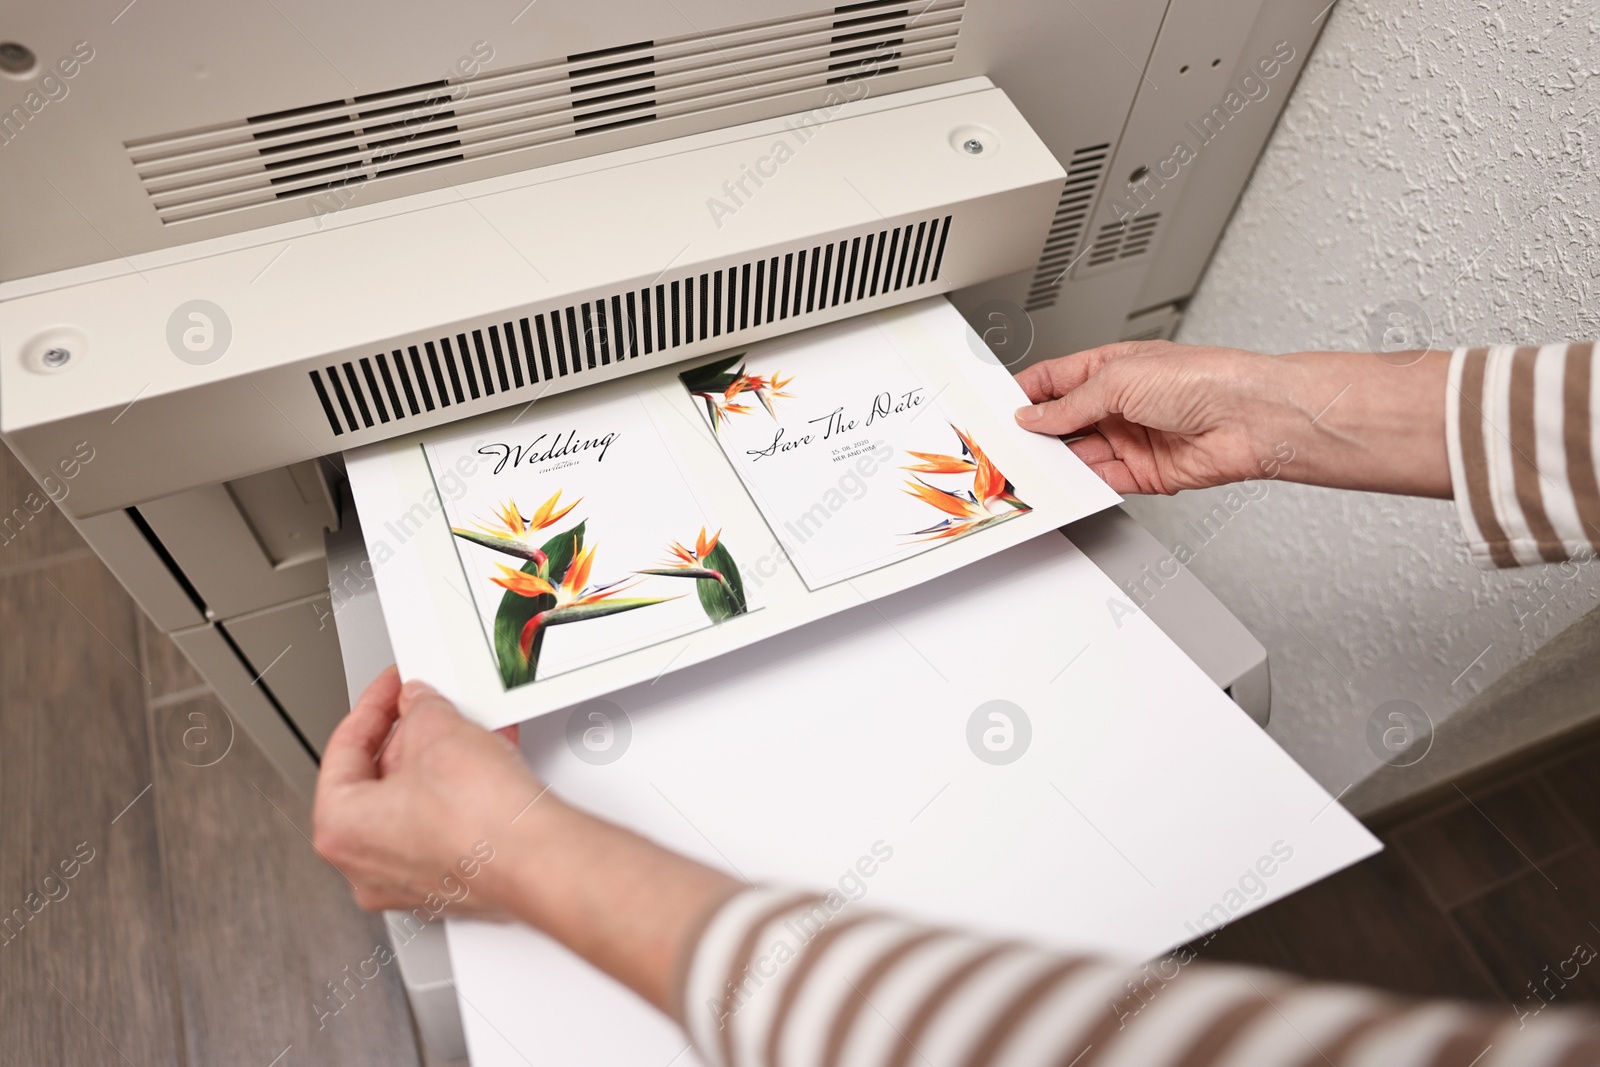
(521, 852)
(1355, 421)
(624, 903)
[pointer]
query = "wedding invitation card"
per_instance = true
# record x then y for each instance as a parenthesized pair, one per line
(579, 538)
(551, 553)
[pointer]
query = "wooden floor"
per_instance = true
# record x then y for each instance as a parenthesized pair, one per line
(199, 927)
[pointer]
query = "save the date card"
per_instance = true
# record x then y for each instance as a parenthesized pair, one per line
(848, 453)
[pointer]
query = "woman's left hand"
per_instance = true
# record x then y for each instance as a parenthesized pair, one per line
(444, 814)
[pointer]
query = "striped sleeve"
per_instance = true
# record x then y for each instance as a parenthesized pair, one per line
(1523, 427)
(782, 979)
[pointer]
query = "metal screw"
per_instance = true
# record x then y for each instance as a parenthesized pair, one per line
(972, 146)
(16, 59)
(55, 357)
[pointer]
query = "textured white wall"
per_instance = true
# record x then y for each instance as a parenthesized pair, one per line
(1447, 153)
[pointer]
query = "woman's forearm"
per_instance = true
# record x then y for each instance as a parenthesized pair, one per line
(625, 904)
(1356, 421)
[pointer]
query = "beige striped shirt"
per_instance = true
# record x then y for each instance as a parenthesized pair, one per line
(783, 979)
(1523, 428)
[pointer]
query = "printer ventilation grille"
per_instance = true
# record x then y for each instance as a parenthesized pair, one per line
(1122, 239)
(596, 336)
(1062, 242)
(322, 153)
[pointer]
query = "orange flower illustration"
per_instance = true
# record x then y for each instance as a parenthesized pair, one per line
(575, 599)
(723, 386)
(703, 547)
(514, 534)
(720, 588)
(991, 499)
(764, 389)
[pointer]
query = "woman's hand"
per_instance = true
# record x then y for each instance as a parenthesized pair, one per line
(445, 816)
(416, 805)
(1162, 417)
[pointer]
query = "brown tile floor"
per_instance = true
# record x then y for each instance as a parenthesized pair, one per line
(1489, 890)
(199, 927)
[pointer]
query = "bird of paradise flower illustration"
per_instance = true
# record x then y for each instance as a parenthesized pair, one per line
(551, 589)
(513, 535)
(990, 501)
(575, 599)
(721, 384)
(718, 584)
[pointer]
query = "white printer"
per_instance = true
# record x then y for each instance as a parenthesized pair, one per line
(236, 241)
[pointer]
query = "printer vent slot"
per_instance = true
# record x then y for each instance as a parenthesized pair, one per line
(478, 364)
(612, 87)
(1065, 236)
(1122, 239)
(321, 154)
(869, 41)
(326, 155)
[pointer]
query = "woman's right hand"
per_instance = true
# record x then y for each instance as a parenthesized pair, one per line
(1161, 417)
(414, 802)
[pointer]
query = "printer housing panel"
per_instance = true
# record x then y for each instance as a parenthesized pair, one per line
(351, 186)
(398, 317)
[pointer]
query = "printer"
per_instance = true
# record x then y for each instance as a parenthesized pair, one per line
(236, 241)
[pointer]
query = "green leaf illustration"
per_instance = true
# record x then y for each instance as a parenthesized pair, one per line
(724, 599)
(713, 377)
(515, 610)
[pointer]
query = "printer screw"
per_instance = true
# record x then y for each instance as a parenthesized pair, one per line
(55, 357)
(16, 59)
(972, 146)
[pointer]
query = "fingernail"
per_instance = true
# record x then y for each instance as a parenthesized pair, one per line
(1029, 414)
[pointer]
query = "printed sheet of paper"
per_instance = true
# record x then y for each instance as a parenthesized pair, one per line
(580, 538)
(807, 422)
(552, 552)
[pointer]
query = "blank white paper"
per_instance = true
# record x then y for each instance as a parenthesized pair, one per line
(1138, 815)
